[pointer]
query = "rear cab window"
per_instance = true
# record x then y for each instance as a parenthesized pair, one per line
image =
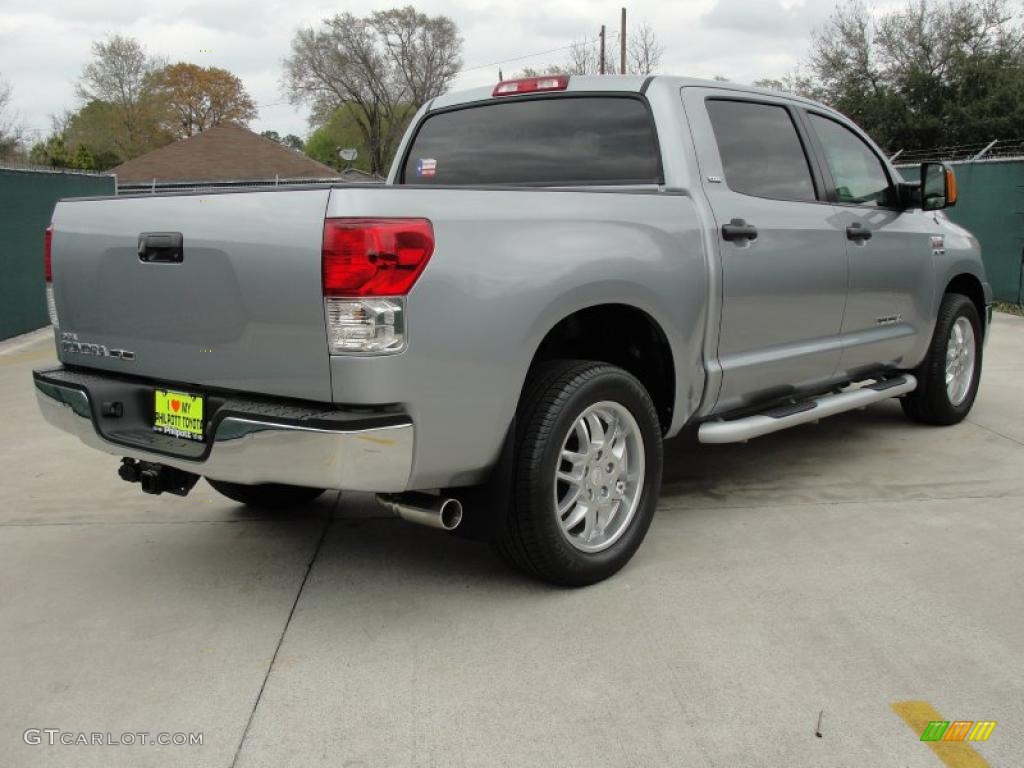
(546, 141)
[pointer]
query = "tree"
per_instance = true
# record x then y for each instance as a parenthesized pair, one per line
(291, 140)
(424, 51)
(83, 158)
(340, 131)
(933, 73)
(121, 74)
(643, 56)
(643, 51)
(52, 152)
(584, 58)
(10, 132)
(94, 126)
(197, 98)
(549, 69)
(380, 68)
(794, 82)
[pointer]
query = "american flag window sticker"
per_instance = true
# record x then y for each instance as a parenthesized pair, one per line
(426, 166)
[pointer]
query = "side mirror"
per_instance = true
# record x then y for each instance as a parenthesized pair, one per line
(938, 186)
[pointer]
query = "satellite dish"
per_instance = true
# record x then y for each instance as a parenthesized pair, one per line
(348, 155)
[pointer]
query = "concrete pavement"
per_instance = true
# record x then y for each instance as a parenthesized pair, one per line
(832, 569)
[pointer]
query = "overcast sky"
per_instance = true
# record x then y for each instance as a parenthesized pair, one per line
(44, 43)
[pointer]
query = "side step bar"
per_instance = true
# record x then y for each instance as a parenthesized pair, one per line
(786, 416)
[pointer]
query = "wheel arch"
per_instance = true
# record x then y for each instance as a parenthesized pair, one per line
(622, 334)
(969, 285)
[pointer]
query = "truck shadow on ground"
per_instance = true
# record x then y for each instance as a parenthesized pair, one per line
(365, 543)
(836, 446)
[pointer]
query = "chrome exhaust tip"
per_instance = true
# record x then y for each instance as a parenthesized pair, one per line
(423, 509)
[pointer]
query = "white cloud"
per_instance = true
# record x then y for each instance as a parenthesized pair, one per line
(766, 19)
(43, 45)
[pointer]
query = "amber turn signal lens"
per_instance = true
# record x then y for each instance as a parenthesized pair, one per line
(950, 187)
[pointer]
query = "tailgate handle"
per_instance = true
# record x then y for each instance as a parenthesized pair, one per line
(161, 247)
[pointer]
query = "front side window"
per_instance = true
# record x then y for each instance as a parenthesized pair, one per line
(760, 150)
(857, 172)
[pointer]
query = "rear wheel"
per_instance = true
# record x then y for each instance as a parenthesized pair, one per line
(587, 473)
(947, 380)
(266, 495)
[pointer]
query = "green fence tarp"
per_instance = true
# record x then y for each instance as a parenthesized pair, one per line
(991, 206)
(27, 199)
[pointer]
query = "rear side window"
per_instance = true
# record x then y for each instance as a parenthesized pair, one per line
(760, 150)
(540, 142)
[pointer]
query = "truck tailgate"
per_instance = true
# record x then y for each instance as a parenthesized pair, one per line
(242, 310)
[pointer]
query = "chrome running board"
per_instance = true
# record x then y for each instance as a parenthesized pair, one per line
(802, 412)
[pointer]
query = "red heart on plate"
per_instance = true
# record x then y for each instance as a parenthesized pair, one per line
(175, 404)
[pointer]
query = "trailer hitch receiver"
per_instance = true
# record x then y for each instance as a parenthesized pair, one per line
(157, 478)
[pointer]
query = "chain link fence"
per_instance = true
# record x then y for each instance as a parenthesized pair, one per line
(985, 151)
(155, 186)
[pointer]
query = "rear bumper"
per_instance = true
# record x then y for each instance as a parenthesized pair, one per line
(247, 441)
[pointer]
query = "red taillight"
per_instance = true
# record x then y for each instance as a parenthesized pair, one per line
(531, 85)
(374, 257)
(48, 254)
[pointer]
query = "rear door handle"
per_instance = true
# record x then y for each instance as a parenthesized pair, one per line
(161, 247)
(858, 232)
(738, 229)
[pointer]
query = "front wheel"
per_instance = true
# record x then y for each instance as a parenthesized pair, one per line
(587, 474)
(266, 495)
(947, 380)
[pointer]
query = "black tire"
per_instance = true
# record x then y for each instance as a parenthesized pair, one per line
(555, 396)
(930, 402)
(266, 495)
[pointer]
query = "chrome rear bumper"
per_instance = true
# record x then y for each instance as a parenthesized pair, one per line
(256, 448)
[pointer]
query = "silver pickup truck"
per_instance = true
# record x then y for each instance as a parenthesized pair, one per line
(560, 273)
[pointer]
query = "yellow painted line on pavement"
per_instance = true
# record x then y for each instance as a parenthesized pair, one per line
(953, 754)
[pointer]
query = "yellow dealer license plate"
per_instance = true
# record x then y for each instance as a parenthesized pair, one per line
(178, 414)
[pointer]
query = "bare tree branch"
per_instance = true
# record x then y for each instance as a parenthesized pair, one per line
(10, 131)
(643, 51)
(643, 56)
(380, 68)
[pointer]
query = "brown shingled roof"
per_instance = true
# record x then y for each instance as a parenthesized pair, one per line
(226, 152)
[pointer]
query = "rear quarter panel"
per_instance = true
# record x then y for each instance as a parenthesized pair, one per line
(508, 266)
